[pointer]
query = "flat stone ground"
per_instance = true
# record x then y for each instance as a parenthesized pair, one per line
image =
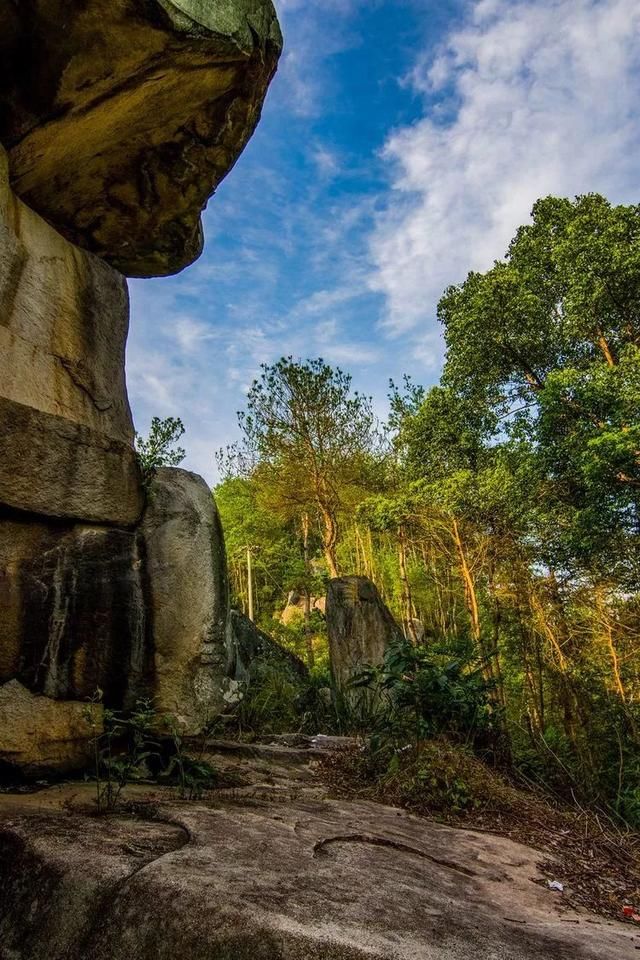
(269, 868)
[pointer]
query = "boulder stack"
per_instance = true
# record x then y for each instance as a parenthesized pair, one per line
(118, 118)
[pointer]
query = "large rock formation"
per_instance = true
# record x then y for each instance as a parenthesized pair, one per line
(121, 116)
(132, 613)
(359, 625)
(294, 611)
(188, 596)
(73, 611)
(41, 736)
(248, 646)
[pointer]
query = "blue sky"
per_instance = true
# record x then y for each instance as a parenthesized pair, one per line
(401, 144)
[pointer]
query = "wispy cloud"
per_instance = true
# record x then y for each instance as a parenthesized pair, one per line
(313, 33)
(526, 98)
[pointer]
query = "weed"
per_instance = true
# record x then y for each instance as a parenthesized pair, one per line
(121, 750)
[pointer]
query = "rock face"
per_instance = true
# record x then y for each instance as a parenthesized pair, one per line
(135, 614)
(359, 625)
(294, 610)
(41, 736)
(121, 116)
(250, 645)
(188, 596)
(65, 420)
(73, 611)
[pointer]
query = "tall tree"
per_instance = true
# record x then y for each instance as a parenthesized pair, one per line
(549, 341)
(308, 436)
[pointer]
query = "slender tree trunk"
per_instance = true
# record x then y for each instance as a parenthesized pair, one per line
(249, 584)
(371, 565)
(308, 637)
(606, 349)
(407, 603)
(329, 540)
(469, 586)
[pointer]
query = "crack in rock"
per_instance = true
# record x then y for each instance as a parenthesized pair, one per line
(319, 848)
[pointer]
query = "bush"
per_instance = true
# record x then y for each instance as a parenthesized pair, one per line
(425, 694)
(270, 703)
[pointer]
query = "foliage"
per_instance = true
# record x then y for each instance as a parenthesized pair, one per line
(306, 438)
(270, 702)
(127, 749)
(499, 517)
(121, 750)
(443, 779)
(159, 448)
(425, 694)
(193, 774)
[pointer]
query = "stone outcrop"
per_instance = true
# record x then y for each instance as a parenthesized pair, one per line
(73, 611)
(121, 116)
(248, 646)
(295, 608)
(41, 736)
(359, 625)
(188, 596)
(132, 613)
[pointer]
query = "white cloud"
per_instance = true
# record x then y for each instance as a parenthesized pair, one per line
(526, 98)
(313, 33)
(326, 161)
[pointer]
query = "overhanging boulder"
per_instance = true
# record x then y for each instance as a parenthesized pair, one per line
(121, 117)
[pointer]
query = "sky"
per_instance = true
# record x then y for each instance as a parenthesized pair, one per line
(402, 142)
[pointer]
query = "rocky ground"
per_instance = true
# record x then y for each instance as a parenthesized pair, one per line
(270, 866)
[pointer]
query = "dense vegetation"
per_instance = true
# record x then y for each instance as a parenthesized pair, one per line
(497, 511)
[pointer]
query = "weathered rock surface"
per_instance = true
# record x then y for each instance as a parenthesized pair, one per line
(39, 735)
(133, 613)
(307, 879)
(73, 612)
(66, 447)
(187, 598)
(359, 626)
(54, 467)
(121, 117)
(250, 646)
(64, 318)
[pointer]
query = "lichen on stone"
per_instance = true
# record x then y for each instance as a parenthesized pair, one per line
(240, 19)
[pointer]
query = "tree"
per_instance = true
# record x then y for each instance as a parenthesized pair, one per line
(307, 437)
(548, 342)
(158, 449)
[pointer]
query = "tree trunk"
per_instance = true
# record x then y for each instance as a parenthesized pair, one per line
(469, 585)
(311, 658)
(407, 603)
(329, 540)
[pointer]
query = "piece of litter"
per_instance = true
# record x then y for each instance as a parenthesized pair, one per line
(630, 912)
(555, 885)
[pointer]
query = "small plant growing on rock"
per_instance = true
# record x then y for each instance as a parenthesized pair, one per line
(193, 773)
(159, 448)
(121, 750)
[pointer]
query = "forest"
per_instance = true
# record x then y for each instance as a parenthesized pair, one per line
(497, 511)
